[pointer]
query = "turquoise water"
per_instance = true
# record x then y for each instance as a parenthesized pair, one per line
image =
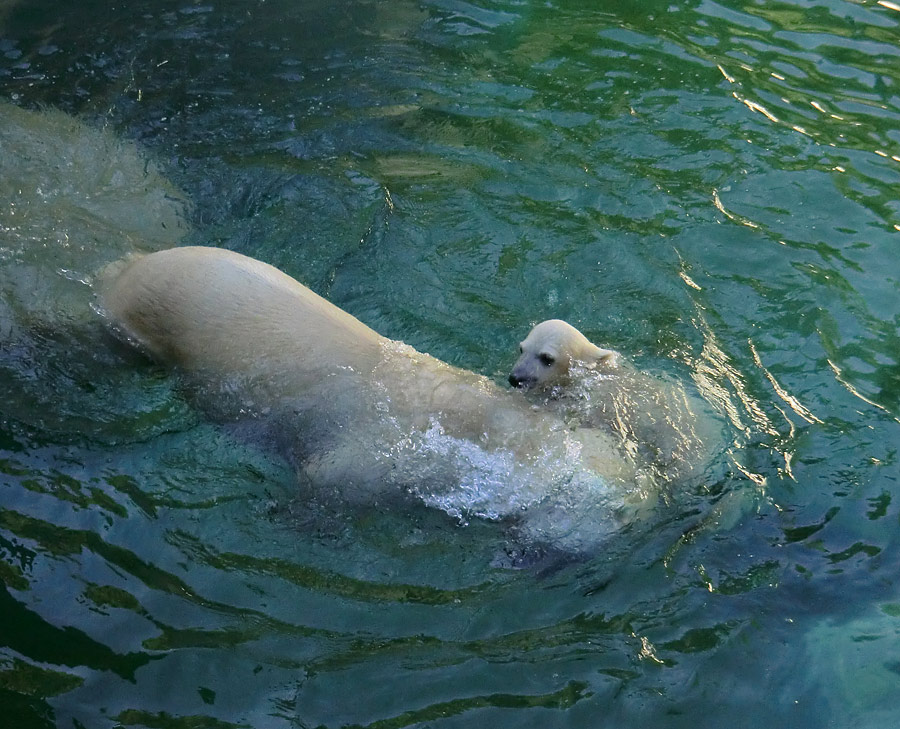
(710, 188)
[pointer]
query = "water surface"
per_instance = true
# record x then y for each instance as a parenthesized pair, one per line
(709, 187)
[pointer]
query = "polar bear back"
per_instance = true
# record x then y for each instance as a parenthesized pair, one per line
(220, 314)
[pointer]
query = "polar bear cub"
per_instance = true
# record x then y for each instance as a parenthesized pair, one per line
(671, 433)
(551, 351)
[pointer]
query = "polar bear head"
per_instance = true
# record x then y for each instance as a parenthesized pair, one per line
(552, 351)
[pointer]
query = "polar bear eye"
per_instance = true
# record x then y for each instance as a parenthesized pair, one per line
(546, 359)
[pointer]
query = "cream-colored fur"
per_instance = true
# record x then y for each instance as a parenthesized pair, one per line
(670, 433)
(361, 414)
(551, 351)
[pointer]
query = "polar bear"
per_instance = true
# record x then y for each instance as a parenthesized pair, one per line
(552, 352)
(362, 415)
(668, 431)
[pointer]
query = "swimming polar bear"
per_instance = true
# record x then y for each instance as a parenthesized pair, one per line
(670, 433)
(361, 415)
(552, 352)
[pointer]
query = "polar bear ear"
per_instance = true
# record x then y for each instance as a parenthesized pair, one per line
(605, 357)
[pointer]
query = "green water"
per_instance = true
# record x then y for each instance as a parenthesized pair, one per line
(710, 188)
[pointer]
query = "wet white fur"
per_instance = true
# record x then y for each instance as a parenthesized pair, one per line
(552, 350)
(670, 433)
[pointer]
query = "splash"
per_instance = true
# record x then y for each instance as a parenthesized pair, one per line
(556, 499)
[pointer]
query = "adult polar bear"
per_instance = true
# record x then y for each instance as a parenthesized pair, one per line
(361, 414)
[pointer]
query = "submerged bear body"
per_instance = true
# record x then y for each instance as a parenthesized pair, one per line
(362, 417)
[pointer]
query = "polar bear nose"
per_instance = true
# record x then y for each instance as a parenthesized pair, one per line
(517, 381)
